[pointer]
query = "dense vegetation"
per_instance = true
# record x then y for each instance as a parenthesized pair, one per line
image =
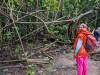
(29, 24)
(28, 28)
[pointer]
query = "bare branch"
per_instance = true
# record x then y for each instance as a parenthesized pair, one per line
(3, 13)
(29, 61)
(11, 15)
(46, 22)
(35, 11)
(84, 14)
(62, 21)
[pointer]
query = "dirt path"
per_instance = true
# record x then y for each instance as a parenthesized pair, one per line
(65, 66)
(94, 67)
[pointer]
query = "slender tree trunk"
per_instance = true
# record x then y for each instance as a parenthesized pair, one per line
(0, 36)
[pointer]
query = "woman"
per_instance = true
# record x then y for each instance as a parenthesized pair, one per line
(80, 54)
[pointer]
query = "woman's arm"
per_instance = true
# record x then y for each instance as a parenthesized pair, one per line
(78, 46)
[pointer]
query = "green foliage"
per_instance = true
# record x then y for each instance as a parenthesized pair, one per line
(97, 1)
(52, 30)
(17, 2)
(11, 4)
(8, 35)
(52, 5)
(51, 10)
(30, 70)
(59, 31)
(31, 3)
(62, 29)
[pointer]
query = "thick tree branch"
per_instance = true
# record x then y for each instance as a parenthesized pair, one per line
(84, 14)
(61, 21)
(29, 61)
(11, 16)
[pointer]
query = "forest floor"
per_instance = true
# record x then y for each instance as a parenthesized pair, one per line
(62, 65)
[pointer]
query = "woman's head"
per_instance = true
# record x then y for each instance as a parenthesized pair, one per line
(83, 26)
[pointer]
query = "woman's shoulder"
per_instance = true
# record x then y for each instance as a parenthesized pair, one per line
(81, 35)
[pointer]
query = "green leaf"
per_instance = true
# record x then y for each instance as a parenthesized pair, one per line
(53, 5)
(30, 71)
(97, 1)
(17, 2)
(8, 35)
